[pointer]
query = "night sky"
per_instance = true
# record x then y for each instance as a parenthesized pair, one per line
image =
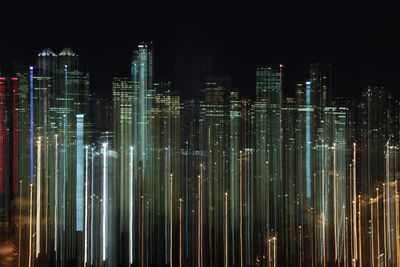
(361, 40)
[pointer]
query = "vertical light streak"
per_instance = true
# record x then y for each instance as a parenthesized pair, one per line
(46, 194)
(66, 171)
(200, 222)
(180, 232)
(170, 221)
(91, 206)
(384, 223)
(31, 124)
(56, 196)
(344, 238)
(20, 223)
(105, 197)
(388, 234)
(346, 235)
(15, 134)
(355, 246)
(131, 205)
(324, 210)
(348, 227)
(274, 250)
(377, 223)
(335, 203)
(372, 231)
(64, 182)
(313, 235)
(31, 159)
(397, 225)
(308, 140)
(79, 212)
(396, 250)
(359, 232)
(30, 224)
(300, 247)
(38, 196)
(166, 207)
(351, 215)
(142, 231)
(269, 253)
(226, 229)
(247, 171)
(65, 176)
(85, 256)
(241, 208)
(187, 208)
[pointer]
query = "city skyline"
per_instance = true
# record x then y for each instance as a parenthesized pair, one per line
(209, 40)
(289, 87)
(222, 134)
(150, 178)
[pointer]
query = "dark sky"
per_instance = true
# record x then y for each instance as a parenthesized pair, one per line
(360, 39)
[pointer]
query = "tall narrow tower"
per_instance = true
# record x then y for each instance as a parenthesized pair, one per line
(267, 149)
(143, 193)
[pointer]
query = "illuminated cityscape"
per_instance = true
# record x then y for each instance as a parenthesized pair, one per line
(148, 178)
(214, 134)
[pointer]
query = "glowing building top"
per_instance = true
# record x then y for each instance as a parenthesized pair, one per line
(47, 52)
(67, 57)
(67, 52)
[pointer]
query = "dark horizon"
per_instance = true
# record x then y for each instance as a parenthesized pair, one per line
(360, 40)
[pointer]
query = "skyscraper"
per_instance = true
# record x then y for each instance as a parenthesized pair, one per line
(214, 158)
(122, 127)
(4, 194)
(267, 145)
(142, 198)
(373, 135)
(103, 121)
(10, 186)
(321, 84)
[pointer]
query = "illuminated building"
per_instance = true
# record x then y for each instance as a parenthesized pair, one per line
(214, 157)
(103, 121)
(291, 186)
(267, 145)
(235, 146)
(166, 124)
(9, 152)
(373, 135)
(321, 84)
(142, 225)
(122, 122)
(307, 180)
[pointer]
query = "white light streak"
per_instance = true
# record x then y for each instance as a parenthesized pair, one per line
(38, 195)
(30, 224)
(131, 206)
(56, 196)
(104, 219)
(86, 204)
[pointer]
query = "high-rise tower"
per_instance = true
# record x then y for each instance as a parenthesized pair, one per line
(321, 84)
(141, 195)
(267, 145)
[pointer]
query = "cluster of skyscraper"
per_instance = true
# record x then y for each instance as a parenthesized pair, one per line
(151, 179)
